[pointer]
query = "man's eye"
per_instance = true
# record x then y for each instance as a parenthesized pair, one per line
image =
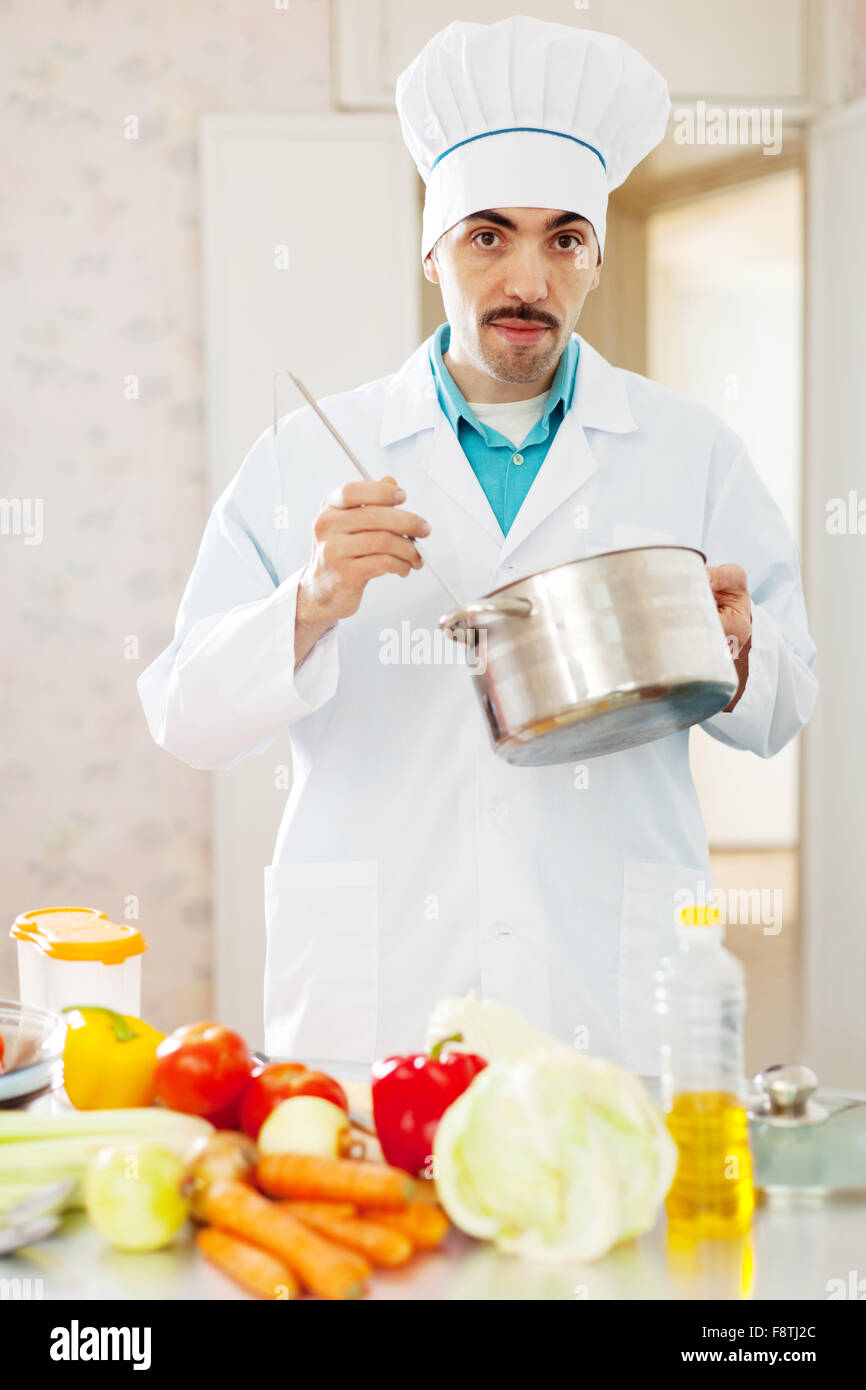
(494, 237)
(569, 236)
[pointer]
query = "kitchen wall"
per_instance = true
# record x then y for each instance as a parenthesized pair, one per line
(100, 347)
(101, 425)
(102, 429)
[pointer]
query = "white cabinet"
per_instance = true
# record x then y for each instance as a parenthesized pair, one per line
(742, 49)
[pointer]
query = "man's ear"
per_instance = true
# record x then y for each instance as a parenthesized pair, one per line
(431, 271)
(598, 264)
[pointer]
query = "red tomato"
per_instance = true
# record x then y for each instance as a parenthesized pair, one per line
(202, 1069)
(279, 1080)
(229, 1118)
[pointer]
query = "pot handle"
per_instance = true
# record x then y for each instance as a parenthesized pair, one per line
(466, 618)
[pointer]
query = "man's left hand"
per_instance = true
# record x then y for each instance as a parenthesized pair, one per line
(731, 592)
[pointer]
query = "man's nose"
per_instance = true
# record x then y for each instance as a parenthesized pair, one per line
(526, 278)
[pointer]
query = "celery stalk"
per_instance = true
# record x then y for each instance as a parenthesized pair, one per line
(14, 1190)
(37, 1149)
(152, 1122)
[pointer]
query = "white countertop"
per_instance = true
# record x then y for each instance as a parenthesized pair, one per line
(789, 1255)
(803, 1253)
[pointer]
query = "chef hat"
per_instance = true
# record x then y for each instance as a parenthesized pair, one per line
(526, 114)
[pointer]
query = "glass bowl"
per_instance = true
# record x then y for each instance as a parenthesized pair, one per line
(32, 1050)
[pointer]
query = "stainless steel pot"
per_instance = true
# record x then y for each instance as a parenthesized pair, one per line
(597, 655)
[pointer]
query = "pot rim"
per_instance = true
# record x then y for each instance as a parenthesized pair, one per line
(584, 559)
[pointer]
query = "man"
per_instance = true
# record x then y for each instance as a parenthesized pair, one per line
(412, 863)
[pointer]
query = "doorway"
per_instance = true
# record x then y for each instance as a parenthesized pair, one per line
(724, 315)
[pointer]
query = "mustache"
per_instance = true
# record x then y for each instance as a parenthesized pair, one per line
(524, 312)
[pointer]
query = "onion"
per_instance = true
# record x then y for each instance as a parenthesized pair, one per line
(134, 1195)
(305, 1125)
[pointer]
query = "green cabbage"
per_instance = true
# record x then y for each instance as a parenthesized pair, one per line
(549, 1153)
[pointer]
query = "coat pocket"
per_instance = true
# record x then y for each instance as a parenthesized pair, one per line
(322, 972)
(652, 896)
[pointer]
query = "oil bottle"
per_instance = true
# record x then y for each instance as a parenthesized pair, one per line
(700, 999)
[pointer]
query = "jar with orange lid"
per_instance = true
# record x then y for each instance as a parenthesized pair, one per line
(76, 955)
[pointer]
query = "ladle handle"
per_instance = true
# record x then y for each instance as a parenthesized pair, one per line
(314, 405)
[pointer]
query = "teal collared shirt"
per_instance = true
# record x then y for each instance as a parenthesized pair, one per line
(505, 473)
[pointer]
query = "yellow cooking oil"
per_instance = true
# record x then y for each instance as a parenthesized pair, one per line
(699, 1268)
(712, 1194)
(700, 1001)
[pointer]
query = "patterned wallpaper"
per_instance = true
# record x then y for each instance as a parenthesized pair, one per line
(102, 469)
(853, 46)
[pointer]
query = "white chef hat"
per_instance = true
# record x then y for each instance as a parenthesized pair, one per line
(523, 113)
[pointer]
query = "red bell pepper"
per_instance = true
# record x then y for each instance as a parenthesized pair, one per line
(410, 1096)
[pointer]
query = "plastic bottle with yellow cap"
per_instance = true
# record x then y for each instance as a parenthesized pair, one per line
(700, 998)
(76, 955)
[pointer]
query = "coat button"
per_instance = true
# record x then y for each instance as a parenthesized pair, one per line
(517, 458)
(501, 929)
(499, 811)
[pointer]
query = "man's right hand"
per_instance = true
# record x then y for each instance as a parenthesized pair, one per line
(360, 533)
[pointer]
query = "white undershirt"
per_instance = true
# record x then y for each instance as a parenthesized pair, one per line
(514, 419)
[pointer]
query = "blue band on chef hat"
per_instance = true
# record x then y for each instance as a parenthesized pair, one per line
(511, 129)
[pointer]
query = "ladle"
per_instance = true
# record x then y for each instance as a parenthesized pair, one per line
(314, 405)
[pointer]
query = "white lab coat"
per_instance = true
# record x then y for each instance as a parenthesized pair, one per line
(411, 861)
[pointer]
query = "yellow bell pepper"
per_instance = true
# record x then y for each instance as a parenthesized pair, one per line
(109, 1060)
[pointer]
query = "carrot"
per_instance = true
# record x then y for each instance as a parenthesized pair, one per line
(322, 1267)
(254, 1269)
(341, 1210)
(335, 1179)
(381, 1245)
(424, 1223)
